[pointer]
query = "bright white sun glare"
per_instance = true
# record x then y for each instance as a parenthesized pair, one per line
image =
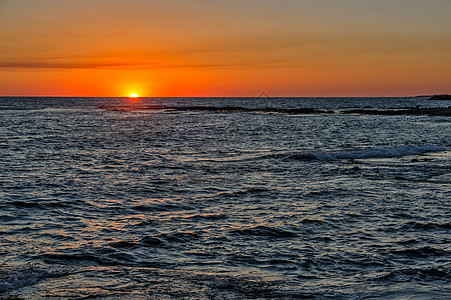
(133, 95)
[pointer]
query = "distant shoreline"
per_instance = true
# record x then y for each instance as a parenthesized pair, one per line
(233, 97)
(440, 97)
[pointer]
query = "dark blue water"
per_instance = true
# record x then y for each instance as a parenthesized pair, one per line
(112, 199)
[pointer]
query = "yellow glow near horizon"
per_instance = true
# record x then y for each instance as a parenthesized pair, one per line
(369, 48)
(133, 95)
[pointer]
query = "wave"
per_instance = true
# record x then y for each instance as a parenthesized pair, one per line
(425, 226)
(147, 241)
(158, 240)
(421, 252)
(266, 231)
(420, 274)
(15, 277)
(367, 153)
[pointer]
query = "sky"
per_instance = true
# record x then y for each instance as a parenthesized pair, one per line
(185, 48)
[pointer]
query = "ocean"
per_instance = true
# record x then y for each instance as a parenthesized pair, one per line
(224, 198)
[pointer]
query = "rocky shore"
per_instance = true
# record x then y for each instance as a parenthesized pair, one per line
(387, 112)
(414, 111)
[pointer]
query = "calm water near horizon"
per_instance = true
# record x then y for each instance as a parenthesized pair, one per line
(109, 198)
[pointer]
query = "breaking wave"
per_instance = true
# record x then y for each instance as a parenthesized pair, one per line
(367, 153)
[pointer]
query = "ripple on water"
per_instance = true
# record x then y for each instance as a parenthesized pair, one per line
(214, 205)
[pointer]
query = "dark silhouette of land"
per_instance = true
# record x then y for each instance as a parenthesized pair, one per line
(441, 97)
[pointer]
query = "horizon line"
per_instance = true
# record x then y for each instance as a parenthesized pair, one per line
(53, 96)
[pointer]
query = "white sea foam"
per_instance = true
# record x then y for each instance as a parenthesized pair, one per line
(370, 153)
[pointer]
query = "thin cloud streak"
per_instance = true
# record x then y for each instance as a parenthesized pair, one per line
(46, 65)
(132, 66)
(289, 51)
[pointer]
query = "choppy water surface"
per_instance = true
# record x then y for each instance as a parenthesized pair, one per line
(158, 203)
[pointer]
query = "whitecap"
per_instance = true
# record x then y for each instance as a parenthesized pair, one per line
(368, 153)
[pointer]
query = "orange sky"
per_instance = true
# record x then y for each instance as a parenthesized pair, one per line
(228, 48)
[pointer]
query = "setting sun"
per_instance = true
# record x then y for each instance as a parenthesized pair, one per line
(133, 95)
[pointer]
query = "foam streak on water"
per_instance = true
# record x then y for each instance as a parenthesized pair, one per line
(101, 201)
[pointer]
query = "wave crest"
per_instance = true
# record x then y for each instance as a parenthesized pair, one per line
(367, 153)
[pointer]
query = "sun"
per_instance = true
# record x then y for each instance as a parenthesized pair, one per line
(133, 95)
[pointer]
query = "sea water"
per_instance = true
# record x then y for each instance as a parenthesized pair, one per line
(111, 198)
